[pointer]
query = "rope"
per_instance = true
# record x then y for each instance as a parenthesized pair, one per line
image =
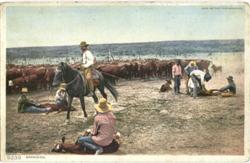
(111, 75)
(72, 80)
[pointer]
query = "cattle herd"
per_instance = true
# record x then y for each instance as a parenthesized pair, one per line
(37, 77)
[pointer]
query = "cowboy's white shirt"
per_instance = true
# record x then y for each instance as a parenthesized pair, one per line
(200, 74)
(60, 95)
(87, 59)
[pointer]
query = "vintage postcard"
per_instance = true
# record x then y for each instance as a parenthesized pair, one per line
(125, 81)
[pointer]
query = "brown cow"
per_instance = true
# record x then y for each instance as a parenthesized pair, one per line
(115, 70)
(13, 73)
(40, 72)
(141, 70)
(147, 69)
(48, 78)
(161, 68)
(134, 69)
(203, 64)
(29, 81)
(129, 69)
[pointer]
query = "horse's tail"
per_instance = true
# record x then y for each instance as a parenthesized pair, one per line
(111, 89)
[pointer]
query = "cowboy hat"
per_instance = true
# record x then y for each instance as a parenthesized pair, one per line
(103, 106)
(192, 63)
(83, 44)
(230, 78)
(63, 86)
(24, 90)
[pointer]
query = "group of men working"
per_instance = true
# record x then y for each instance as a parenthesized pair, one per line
(195, 83)
(104, 132)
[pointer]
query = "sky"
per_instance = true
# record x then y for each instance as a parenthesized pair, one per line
(28, 26)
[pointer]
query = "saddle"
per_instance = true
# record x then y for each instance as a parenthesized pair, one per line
(94, 75)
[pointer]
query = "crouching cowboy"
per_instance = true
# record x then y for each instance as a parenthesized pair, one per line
(104, 131)
(61, 96)
(197, 81)
(87, 66)
(230, 89)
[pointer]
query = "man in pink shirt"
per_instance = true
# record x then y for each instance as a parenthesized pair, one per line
(103, 131)
(176, 74)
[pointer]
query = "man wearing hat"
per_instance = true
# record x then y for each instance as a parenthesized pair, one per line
(230, 89)
(61, 96)
(103, 131)
(176, 74)
(22, 100)
(196, 83)
(188, 69)
(87, 65)
(28, 106)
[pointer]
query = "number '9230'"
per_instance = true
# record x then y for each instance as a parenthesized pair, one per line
(13, 157)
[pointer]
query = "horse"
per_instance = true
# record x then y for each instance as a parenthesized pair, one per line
(76, 85)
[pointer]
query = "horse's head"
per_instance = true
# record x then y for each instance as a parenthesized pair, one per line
(59, 72)
(59, 147)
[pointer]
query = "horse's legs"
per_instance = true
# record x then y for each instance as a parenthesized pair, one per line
(69, 106)
(95, 97)
(101, 89)
(83, 106)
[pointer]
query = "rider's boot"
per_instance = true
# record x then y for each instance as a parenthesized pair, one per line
(91, 88)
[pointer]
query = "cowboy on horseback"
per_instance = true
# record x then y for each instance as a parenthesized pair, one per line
(87, 66)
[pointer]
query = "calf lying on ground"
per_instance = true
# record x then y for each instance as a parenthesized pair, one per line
(211, 92)
(81, 149)
(54, 107)
(216, 92)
